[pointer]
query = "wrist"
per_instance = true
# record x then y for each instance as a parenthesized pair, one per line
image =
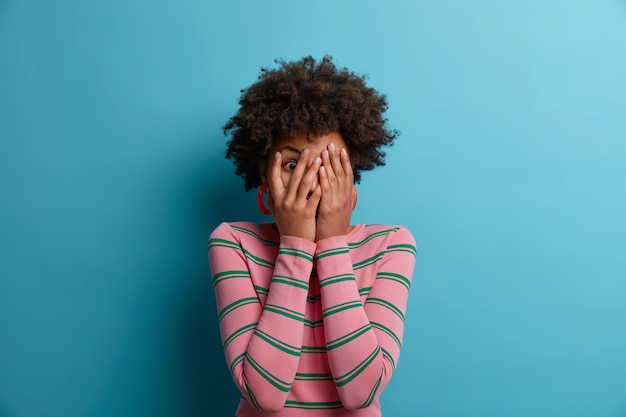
(323, 236)
(331, 245)
(327, 233)
(302, 231)
(299, 234)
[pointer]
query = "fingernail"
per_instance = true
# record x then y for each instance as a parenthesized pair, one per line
(325, 154)
(276, 155)
(332, 146)
(317, 160)
(305, 151)
(344, 152)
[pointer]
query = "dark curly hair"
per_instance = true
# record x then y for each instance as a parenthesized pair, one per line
(308, 97)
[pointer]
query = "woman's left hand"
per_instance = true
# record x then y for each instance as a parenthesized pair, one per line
(337, 184)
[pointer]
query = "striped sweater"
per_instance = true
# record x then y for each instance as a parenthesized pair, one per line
(311, 328)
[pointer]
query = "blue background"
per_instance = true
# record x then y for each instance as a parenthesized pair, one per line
(510, 171)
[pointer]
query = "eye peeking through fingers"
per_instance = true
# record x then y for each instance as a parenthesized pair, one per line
(291, 165)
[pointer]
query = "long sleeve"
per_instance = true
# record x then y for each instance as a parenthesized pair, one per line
(363, 340)
(261, 327)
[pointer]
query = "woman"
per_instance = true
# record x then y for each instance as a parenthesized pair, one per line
(311, 308)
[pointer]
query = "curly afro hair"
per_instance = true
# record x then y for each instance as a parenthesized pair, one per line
(307, 97)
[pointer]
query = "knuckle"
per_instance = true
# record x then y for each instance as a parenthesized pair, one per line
(324, 211)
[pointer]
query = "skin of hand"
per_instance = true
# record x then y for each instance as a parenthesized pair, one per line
(294, 205)
(338, 196)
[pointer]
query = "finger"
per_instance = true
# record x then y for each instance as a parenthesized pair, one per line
(324, 182)
(327, 164)
(316, 180)
(335, 161)
(314, 199)
(277, 187)
(298, 173)
(347, 166)
(306, 185)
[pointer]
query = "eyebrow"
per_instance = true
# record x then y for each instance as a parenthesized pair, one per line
(290, 148)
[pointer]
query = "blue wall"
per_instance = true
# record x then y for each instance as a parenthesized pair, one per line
(510, 171)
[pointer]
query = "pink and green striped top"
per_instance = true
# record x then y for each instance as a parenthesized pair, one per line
(311, 328)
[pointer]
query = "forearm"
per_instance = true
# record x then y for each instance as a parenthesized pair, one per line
(271, 358)
(364, 339)
(354, 354)
(262, 343)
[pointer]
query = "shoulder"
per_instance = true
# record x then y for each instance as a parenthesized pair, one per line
(381, 235)
(245, 233)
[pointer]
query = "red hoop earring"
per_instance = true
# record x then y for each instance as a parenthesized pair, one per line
(259, 199)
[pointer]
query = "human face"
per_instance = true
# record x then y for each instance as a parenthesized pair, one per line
(291, 147)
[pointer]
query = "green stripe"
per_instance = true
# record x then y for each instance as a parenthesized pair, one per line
(314, 405)
(380, 255)
(341, 307)
(364, 291)
(218, 245)
(368, 261)
(403, 247)
(372, 394)
(332, 252)
(294, 282)
(278, 344)
(389, 358)
(283, 311)
(313, 349)
(313, 299)
(387, 304)
(313, 377)
(221, 276)
(372, 236)
(261, 290)
(237, 304)
(334, 344)
(268, 376)
(395, 277)
(257, 260)
(336, 278)
(356, 371)
(313, 324)
(266, 242)
(236, 361)
(252, 399)
(239, 332)
(387, 330)
(223, 242)
(296, 252)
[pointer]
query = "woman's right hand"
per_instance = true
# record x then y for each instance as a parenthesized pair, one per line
(294, 205)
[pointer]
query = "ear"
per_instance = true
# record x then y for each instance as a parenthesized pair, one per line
(355, 197)
(263, 172)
